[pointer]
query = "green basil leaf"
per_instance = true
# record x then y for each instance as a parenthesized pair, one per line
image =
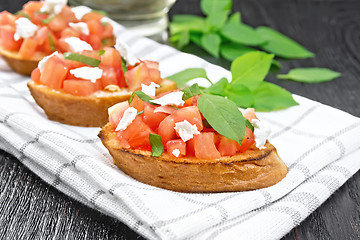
(184, 76)
(139, 113)
(101, 52)
(156, 145)
(21, 13)
(211, 43)
(51, 42)
(100, 12)
(310, 75)
(82, 58)
(191, 91)
(184, 39)
(241, 33)
(235, 18)
(281, 45)
(218, 88)
(196, 38)
(223, 115)
(275, 66)
(182, 23)
(230, 51)
(46, 21)
(216, 20)
(249, 125)
(269, 97)
(210, 6)
(239, 94)
(123, 64)
(251, 69)
(142, 96)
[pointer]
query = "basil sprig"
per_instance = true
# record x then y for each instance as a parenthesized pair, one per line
(156, 145)
(310, 75)
(188, 74)
(82, 58)
(142, 96)
(191, 91)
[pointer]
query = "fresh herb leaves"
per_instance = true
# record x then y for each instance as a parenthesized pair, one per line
(142, 96)
(310, 75)
(156, 145)
(191, 91)
(183, 77)
(82, 58)
(47, 20)
(223, 115)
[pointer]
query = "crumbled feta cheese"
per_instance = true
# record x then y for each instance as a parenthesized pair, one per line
(53, 6)
(261, 133)
(88, 73)
(42, 62)
(81, 27)
(24, 28)
(173, 98)
(80, 11)
(127, 118)
(185, 130)
(123, 49)
(176, 152)
(149, 90)
(77, 45)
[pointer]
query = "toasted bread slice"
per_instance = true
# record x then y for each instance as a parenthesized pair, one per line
(251, 170)
(86, 111)
(26, 66)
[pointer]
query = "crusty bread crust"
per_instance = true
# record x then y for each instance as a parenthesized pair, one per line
(86, 111)
(251, 170)
(26, 66)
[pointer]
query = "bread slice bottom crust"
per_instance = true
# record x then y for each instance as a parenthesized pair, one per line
(251, 170)
(86, 111)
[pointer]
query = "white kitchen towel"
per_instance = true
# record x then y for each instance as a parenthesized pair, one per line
(319, 144)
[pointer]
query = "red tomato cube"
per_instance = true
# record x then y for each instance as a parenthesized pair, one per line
(54, 73)
(175, 147)
(204, 144)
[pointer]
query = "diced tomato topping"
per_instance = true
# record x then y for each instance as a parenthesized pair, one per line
(80, 87)
(92, 16)
(109, 77)
(35, 75)
(38, 18)
(137, 103)
(57, 23)
(227, 147)
(247, 141)
(151, 118)
(190, 147)
(95, 27)
(166, 129)
(204, 144)
(108, 30)
(28, 48)
(41, 35)
(174, 146)
(7, 18)
(54, 73)
(32, 6)
(190, 114)
(153, 68)
(117, 111)
(164, 109)
(136, 76)
(95, 42)
(67, 14)
(69, 32)
(137, 134)
(111, 58)
(7, 40)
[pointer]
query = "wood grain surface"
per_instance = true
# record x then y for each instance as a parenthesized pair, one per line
(31, 209)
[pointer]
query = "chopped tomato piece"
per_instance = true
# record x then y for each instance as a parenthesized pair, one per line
(57, 24)
(164, 109)
(190, 114)
(32, 6)
(50, 44)
(136, 76)
(7, 40)
(95, 42)
(69, 32)
(68, 14)
(247, 141)
(7, 18)
(137, 134)
(151, 118)
(204, 145)
(80, 87)
(166, 129)
(108, 30)
(153, 68)
(38, 18)
(175, 147)
(92, 16)
(41, 35)
(28, 48)
(95, 27)
(137, 103)
(109, 76)
(111, 58)
(227, 147)
(116, 112)
(190, 147)
(54, 73)
(35, 75)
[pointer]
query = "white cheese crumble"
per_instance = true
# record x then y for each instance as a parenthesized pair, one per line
(173, 98)
(88, 73)
(185, 130)
(80, 11)
(81, 27)
(176, 152)
(24, 28)
(42, 62)
(53, 6)
(127, 118)
(261, 133)
(77, 45)
(149, 90)
(123, 49)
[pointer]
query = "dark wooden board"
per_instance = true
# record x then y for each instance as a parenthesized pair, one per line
(31, 209)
